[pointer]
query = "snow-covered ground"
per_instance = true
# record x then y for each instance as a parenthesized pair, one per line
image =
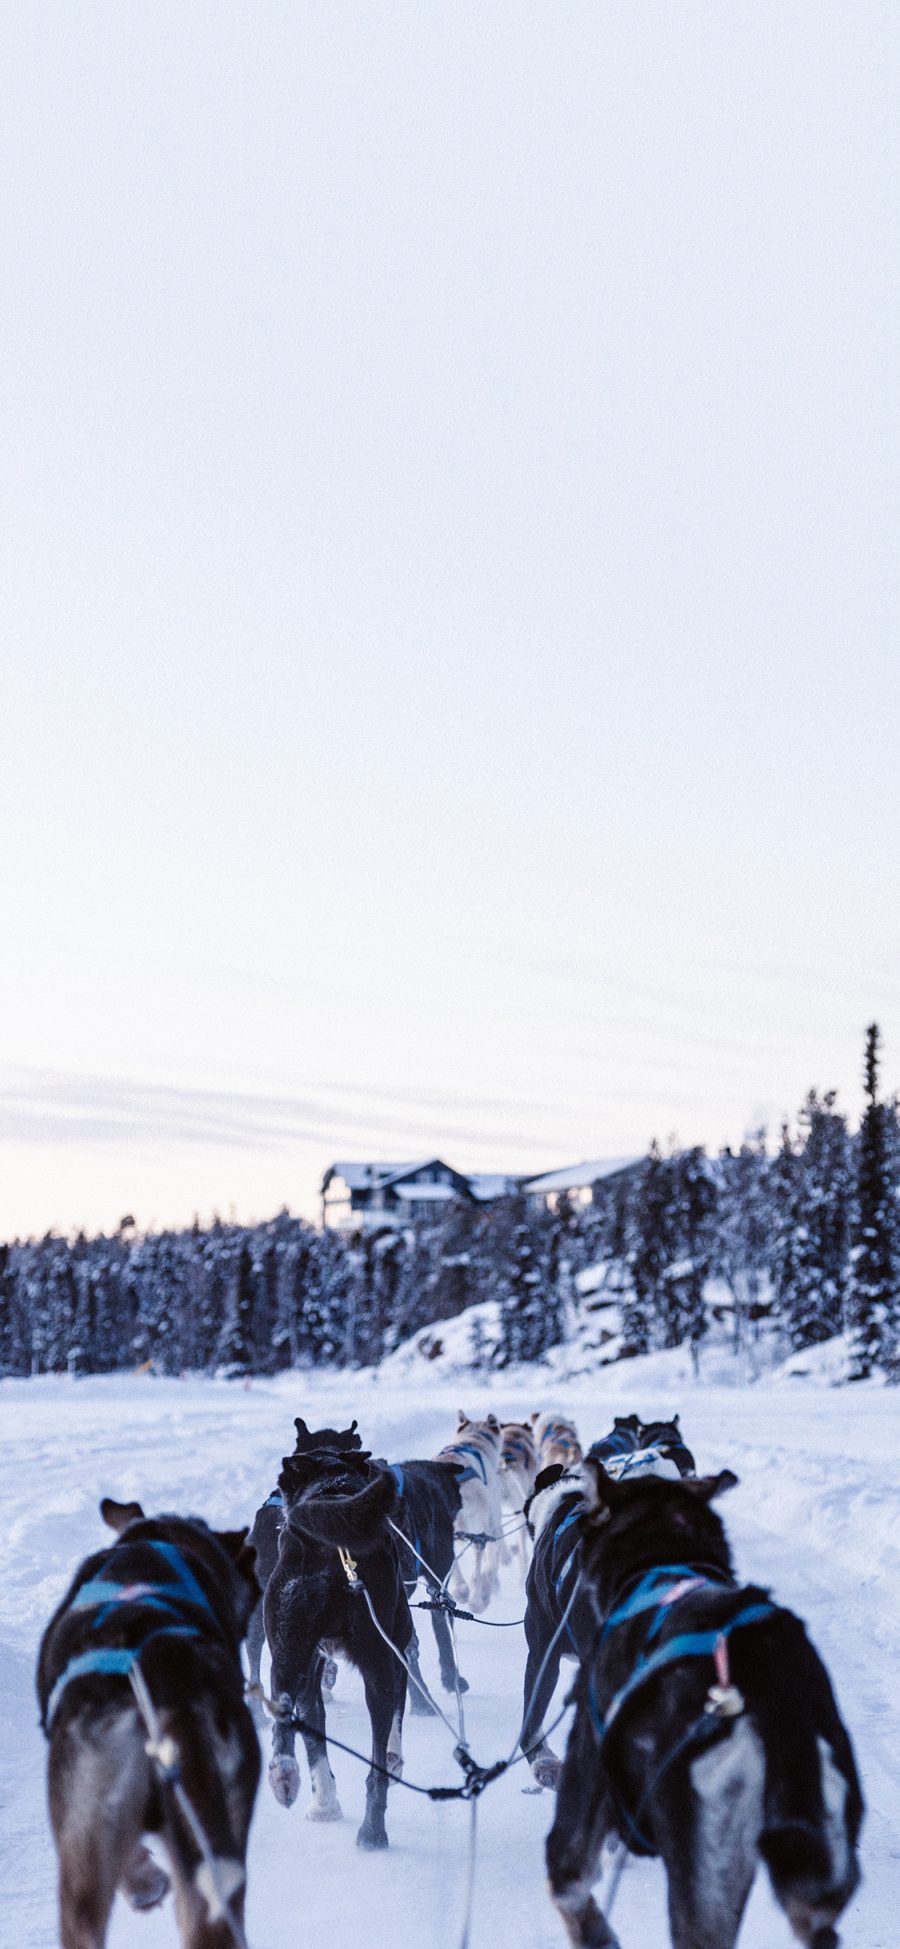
(817, 1516)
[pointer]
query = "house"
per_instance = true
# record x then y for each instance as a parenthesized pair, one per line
(576, 1181)
(364, 1197)
(361, 1197)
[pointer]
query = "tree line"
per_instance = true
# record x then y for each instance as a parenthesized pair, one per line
(801, 1241)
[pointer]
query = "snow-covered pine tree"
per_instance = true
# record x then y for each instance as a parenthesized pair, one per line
(649, 1254)
(692, 1221)
(814, 1306)
(235, 1352)
(524, 1320)
(787, 1236)
(873, 1307)
(743, 1233)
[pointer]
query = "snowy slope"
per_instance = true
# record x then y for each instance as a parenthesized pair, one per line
(817, 1515)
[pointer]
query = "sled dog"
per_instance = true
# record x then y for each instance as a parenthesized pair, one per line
(705, 1730)
(474, 1455)
(555, 1440)
(171, 1599)
(334, 1545)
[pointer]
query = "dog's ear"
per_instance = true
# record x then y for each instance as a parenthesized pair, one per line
(492, 1422)
(546, 1478)
(243, 1554)
(708, 1486)
(462, 1419)
(600, 1491)
(118, 1515)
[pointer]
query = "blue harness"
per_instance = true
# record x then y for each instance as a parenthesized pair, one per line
(104, 1596)
(621, 1441)
(656, 1593)
(275, 1500)
(468, 1448)
(400, 1479)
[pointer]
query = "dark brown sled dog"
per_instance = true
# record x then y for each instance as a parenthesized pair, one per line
(172, 1598)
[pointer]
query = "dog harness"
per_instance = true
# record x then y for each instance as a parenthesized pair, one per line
(515, 1447)
(400, 1479)
(561, 1435)
(104, 1596)
(622, 1441)
(275, 1500)
(655, 1594)
(468, 1448)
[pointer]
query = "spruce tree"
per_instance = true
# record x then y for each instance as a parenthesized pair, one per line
(649, 1255)
(743, 1233)
(873, 1297)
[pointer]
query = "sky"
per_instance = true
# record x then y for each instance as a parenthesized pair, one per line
(448, 586)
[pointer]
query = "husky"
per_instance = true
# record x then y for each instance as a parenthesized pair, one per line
(623, 1438)
(518, 1468)
(555, 1440)
(172, 1599)
(264, 1540)
(475, 1457)
(335, 1547)
(552, 1592)
(705, 1731)
(666, 1436)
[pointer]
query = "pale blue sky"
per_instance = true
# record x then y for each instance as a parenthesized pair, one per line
(448, 585)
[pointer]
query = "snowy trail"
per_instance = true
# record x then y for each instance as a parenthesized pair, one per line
(817, 1516)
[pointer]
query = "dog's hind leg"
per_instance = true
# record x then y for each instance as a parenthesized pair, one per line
(381, 1698)
(539, 1689)
(98, 1787)
(582, 1821)
(419, 1703)
(256, 1638)
(446, 1656)
(325, 1803)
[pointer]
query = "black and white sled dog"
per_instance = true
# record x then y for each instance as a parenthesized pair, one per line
(427, 1513)
(264, 1540)
(474, 1456)
(335, 1545)
(170, 1599)
(623, 1439)
(518, 1469)
(666, 1437)
(553, 1592)
(705, 1729)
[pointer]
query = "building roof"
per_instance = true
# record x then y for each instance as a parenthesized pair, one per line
(362, 1177)
(578, 1177)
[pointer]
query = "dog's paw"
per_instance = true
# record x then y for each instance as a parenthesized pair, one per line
(144, 1884)
(284, 1779)
(371, 1837)
(422, 1707)
(546, 1769)
(451, 1684)
(325, 1810)
(329, 1675)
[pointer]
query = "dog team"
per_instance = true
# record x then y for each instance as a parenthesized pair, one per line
(705, 1728)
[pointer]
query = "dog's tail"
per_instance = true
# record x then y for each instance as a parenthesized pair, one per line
(355, 1523)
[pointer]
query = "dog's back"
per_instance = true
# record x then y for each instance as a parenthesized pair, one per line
(555, 1440)
(171, 1601)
